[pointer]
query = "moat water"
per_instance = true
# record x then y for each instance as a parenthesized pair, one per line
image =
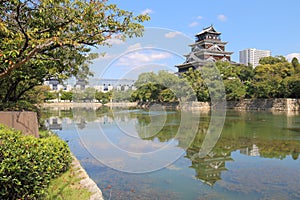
(256, 156)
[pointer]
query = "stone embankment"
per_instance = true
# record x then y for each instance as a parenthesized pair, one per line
(159, 106)
(88, 105)
(86, 181)
(283, 104)
(71, 105)
(121, 104)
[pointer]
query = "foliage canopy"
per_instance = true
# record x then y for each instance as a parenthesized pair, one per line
(28, 164)
(45, 39)
(275, 77)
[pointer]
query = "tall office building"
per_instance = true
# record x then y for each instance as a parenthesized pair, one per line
(252, 56)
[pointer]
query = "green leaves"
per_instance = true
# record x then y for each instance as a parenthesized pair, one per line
(161, 87)
(270, 78)
(28, 164)
(275, 77)
(103, 97)
(50, 39)
(235, 89)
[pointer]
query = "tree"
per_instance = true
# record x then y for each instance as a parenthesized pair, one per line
(66, 96)
(292, 87)
(245, 73)
(89, 94)
(275, 77)
(162, 87)
(38, 94)
(147, 92)
(174, 88)
(272, 60)
(146, 77)
(269, 78)
(103, 97)
(227, 70)
(121, 96)
(196, 81)
(50, 95)
(296, 65)
(235, 90)
(45, 39)
(167, 95)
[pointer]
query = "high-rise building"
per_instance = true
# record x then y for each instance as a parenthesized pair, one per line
(252, 56)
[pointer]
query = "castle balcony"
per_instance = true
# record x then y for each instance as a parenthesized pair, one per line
(212, 52)
(209, 41)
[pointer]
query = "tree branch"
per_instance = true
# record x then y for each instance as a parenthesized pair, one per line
(22, 30)
(33, 52)
(23, 91)
(10, 90)
(57, 27)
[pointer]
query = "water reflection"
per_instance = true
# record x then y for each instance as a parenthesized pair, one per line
(247, 143)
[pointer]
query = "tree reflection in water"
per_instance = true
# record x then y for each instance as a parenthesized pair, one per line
(253, 134)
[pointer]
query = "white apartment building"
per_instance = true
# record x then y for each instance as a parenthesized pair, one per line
(252, 56)
(56, 86)
(103, 85)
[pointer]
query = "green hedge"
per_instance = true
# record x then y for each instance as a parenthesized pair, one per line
(28, 164)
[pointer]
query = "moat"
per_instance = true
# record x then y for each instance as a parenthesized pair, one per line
(255, 157)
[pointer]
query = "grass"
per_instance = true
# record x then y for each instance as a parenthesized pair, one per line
(68, 187)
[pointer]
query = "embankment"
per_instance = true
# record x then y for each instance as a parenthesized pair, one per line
(283, 104)
(88, 105)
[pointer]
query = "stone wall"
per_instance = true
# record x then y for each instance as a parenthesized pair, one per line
(26, 122)
(199, 106)
(246, 104)
(293, 104)
(121, 104)
(265, 104)
(71, 105)
(88, 105)
(153, 105)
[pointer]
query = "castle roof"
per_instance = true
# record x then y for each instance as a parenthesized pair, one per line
(209, 29)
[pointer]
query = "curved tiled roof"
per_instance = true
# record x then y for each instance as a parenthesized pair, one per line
(209, 29)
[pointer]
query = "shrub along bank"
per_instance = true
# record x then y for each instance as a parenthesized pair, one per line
(28, 164)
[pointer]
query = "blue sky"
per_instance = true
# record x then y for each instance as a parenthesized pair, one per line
(264, 24)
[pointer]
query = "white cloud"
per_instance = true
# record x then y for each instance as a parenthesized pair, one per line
(114, 41)
(199, 17)
(143, 146)
(134, 46)
(289, 57)
(147, 11)
(172, 34)
(173, 167)
(193, 24)
(142, 58)
(222, 17)
(106, 56)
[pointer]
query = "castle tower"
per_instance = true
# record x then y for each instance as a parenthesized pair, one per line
(208, 47)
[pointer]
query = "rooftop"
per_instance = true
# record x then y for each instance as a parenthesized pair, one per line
(209, 29)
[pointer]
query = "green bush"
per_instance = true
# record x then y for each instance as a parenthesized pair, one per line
(18, 106)
(28, 164)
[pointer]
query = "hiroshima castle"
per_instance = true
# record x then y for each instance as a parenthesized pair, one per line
(208, 47)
